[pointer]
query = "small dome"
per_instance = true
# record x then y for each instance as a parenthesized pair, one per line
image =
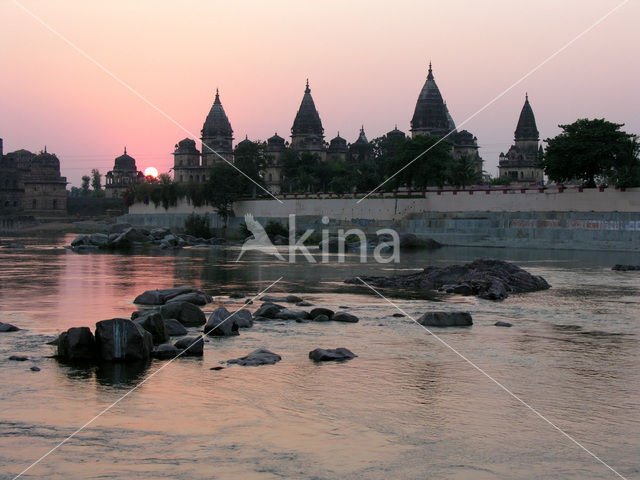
(395, 133)
(244, 142)
(125, 162)
(276, 140)
(186, 145)
(45, 160)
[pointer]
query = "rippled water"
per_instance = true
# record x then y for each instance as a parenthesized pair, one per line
(407, 407)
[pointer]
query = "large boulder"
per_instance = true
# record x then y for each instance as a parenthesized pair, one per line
(99, 239)
(186, 313)
(160, 297)
(197, 298)
(192, 346)
(77, 344)
(331, 354)
(625, 268)
(486, 278)
(174, 328)
(7, 327)
(153, 323)
(410, 241)
(256, 358)
(446, 319)
(122, 340)
(80, 240)
(344, 317)
(268, 310)
(242, 318)
(221, 324)
(321, 311)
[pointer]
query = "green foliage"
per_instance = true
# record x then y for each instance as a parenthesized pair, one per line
(85, 185)
(500, 181)
(223, 187)
(429, 169)
(197, 225)
(96, 183)
(274, 228)
(249, 158)
(592, 151)
(463, 172)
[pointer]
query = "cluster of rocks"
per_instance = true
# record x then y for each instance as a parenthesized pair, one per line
(123, 236)
(486, 278)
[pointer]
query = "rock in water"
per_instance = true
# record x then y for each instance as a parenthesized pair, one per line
(446, 319)
(256, 358)
(165, 351)
(286, 314)
(344, 317)
(174, 327)
(35, 369)
(625, 268)
(186, 313)
(153, 323)
(77, 344)
(160, 297)
(242, 318)
(268, 310)
(287, 299)
(219, 326)
(321, 311)
(325, 355)
(321, 318)
(486, 278)
(197, 298)
(193, 346)
(122, 340)
(503, 324)
(18, 358)
(7, 327)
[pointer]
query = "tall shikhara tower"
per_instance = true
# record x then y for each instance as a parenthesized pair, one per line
(307, 133)
(217, 135)
(431, 116)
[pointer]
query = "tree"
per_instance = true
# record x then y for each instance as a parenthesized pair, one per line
(223, 187)
(85, 185)
(249, 158)
(405, 168)
(96, 183)
(463, 171)
(592, 151)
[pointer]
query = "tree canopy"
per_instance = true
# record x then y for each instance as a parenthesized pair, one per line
(592, 151)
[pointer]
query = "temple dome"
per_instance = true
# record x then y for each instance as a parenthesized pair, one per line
(337, 144)
(186, 145)
(526, 128)
(307, 119)
(217, 124)
(431, 114)
(125, 162)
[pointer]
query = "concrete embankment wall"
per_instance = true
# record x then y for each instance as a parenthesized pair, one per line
(589, 219)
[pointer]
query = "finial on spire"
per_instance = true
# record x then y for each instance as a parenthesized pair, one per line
(307, 90)
(430, 75)
(396, 127)
(526, 96)
(125, 149)
(45, 149)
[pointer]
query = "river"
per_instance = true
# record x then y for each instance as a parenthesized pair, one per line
(407, 407)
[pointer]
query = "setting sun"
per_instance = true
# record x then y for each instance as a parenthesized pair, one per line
(151, 172)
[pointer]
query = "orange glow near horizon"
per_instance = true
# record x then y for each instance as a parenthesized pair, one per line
(151, 172)
(366, 62)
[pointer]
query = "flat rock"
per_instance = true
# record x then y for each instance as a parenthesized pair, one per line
(486, 278)
(344, 317)
(165, 351)
(286, 314)
(7, 327)
(192, 346)
(331, 354)
(35, 369)
(256, 358)
(197, 298)
(304, 304)
(503, 324)
(162, 296)
(174, 328)
(398, 315)
(286, 299)
(18, 358)
(321, 318)
(446, 319)
(625, 268)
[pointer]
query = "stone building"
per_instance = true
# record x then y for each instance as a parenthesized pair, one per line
(186, 162)
(520, 163)
(307, 134)
(361, 150)
(124, 175)
(276, 145)
(431, 117)
(31, 183)
(217, 136)
(338, 149)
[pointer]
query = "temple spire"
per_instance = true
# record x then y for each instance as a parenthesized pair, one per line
(430, 74)
(307, 90)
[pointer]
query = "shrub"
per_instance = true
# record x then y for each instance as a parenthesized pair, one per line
(274, 228)
(197, 225)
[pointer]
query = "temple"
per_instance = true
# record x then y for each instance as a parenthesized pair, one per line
(520, 164)
(124, 175)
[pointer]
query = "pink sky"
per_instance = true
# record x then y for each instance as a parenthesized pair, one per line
(366, 62)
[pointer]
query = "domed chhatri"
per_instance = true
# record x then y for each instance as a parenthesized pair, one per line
(124, 175)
